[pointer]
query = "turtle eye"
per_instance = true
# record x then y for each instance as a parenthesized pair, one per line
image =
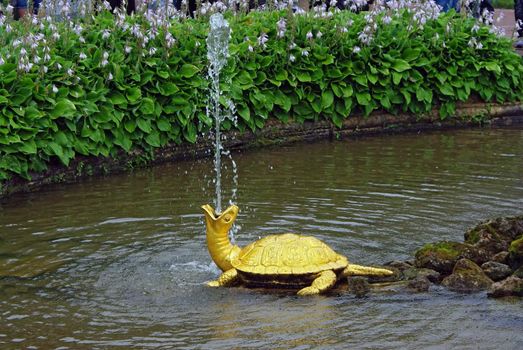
(227, 218)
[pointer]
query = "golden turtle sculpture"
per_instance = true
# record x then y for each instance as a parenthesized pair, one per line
(287, 260)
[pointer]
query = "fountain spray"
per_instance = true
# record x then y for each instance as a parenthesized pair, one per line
(217, 53)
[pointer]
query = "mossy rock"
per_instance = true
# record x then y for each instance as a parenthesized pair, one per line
(417, 273)
(519, 272)
(495, 235)
(442, 256)
(515, 252)
(512, 286)
(467, 277)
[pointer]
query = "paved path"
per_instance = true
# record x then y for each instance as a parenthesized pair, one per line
(507, 22)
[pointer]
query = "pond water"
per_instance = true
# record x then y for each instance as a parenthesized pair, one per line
(120, 262)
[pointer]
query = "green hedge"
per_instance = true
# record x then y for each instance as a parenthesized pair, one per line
(156, 93)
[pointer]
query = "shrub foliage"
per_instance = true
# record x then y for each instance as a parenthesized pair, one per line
(104, 88)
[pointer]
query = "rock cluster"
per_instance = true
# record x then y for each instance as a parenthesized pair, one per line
(490, 258)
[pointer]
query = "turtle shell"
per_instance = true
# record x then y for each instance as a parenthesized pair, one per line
(288, 254)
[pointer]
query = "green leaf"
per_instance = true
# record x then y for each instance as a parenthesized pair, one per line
(117, 98)
(347, 91)
(303, 76)
(130, 125)
(63, 108)
(446, 89)
(493, 67)
(163, 125)
(396, 78)
(188, 70)
(168, 88)
(400, 65)
(281, 75)
(316, 105)
(58, 151)
(144, 125)
(147, 106)
(244, 112)
(28, 147)
(133, 94)
(410, 54)
(190, 132)
(153, 139)
(363, 98)
(327, 98)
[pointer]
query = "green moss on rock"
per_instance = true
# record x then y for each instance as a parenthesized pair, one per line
(467, 277)
(515, 253)
(442, 256)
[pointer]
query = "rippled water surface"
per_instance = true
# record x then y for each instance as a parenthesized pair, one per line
(120, 262)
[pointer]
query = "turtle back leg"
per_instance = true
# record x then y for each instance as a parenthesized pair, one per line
(323, 282)
(359, 270)
(228, 278)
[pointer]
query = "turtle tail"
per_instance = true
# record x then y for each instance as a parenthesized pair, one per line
(359, 270)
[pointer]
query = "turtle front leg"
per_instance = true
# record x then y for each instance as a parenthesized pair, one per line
(228, 278)
(324, 281)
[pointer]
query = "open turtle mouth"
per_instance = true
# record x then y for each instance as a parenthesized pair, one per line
(233, 210)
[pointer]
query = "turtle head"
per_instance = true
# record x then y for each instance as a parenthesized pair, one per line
(217, 227)
(220, 223)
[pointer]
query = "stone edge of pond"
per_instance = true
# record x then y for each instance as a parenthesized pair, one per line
(274, 133)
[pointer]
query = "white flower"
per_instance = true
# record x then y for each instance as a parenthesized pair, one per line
(55, 89)
(28, 66)
(47, 58)
(82, 56)
(475, 28)
(59, 66)
(56, 36)
(77, 29)
(127, 49)
(251, 49)
(319, 34)
(282, 26)
(262, 39)
(479, 45)
(304, 53)
(356, 49)
(105, 56)
(45, 69)
(106, 33)
(152, 51)
(70, 72)
(81, 39)
(386, 19)
(292, 46)
(110, 76)
(350, 22)
(309, 36)
(292, 58)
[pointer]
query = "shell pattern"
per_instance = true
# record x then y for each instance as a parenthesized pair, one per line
(288, 254)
